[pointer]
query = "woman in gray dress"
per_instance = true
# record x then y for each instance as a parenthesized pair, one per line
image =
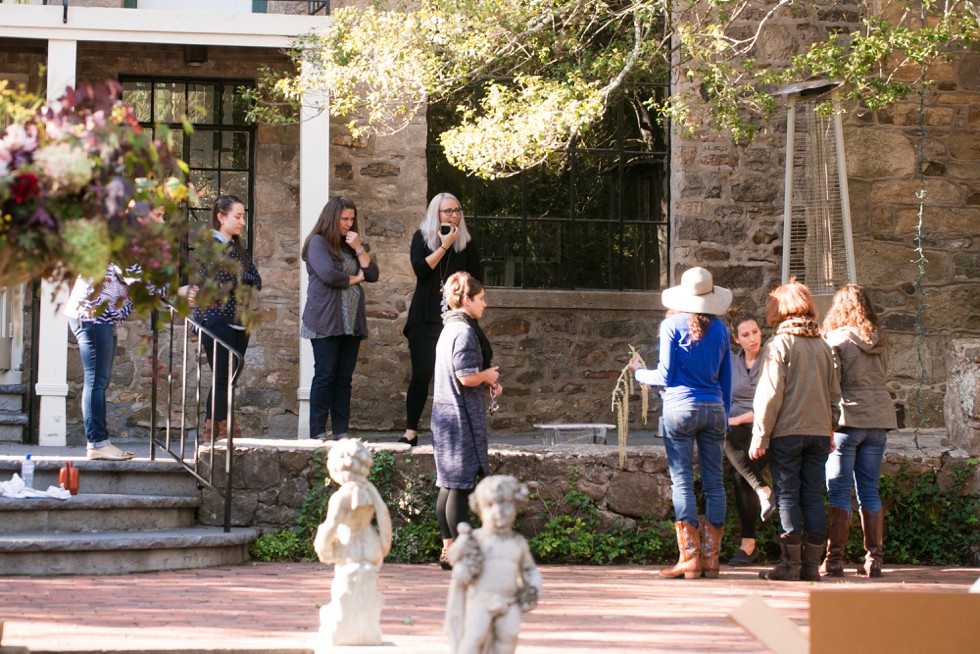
(459, 412)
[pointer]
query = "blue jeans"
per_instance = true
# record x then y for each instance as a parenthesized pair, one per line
(334, 359)
(857, 463)
(704, 423)
(97, 347)
(797, 467)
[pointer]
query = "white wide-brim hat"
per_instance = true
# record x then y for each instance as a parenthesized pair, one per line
(697, 293)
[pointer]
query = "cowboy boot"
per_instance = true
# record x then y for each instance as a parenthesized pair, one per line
(710, 548)
(207, 431)
(789, 565)
(873, 525)
(839, 526)
(689, 561)
(813, 545)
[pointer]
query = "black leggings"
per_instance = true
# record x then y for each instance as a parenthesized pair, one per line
(423, 352)
(452, 508)
(747, 476)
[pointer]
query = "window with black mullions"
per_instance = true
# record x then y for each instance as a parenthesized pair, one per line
(594, 217)
(220, 152)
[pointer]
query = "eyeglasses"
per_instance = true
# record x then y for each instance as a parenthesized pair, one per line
(452, 212)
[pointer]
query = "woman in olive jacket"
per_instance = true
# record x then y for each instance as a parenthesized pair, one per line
(867, 413)
(795, 410)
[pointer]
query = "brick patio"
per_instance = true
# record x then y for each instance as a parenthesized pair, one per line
(274, 607)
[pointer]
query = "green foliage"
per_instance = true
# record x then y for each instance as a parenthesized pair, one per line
(579, 533)
(554, 65)
(926, 524)
(411, 501)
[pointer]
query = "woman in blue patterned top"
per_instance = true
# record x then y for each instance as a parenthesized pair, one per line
(223, 318)
(334, 318)
(93, 315)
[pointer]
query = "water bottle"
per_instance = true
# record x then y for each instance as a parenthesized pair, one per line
(27, 472)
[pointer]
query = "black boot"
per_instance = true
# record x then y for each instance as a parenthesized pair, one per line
(812, 555)
(789, 562)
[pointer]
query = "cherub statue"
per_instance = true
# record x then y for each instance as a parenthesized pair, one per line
(349, 541)
(494, 578)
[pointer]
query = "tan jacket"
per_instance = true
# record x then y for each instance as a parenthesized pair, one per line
(863, 367)
(798, 391)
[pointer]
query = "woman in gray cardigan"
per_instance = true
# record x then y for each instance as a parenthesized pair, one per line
(334, 318)
(867, 413)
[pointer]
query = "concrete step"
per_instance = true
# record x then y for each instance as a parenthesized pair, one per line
(103, 553)
(135, 477)
(97, 512)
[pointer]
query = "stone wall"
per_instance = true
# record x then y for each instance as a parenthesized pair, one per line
(962, 402)
(272, 478)
(727, 205)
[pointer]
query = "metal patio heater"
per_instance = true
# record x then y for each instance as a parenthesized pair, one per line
(817, 246)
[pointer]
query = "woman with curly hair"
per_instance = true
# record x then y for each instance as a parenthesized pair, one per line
(867, 413)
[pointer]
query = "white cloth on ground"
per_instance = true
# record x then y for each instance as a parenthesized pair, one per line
(16, 488)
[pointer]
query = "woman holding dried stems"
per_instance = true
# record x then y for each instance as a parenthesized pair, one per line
(866, 414)
(334, 320)
(463, 376)
(795, 410)
(753, 497)
(236, 272)
(441, 247)
(695, 369)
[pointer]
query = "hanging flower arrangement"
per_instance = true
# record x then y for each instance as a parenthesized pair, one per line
(74, 175)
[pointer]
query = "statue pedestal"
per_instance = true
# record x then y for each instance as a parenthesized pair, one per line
(353, 616)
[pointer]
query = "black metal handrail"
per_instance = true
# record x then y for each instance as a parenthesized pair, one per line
(187, 328)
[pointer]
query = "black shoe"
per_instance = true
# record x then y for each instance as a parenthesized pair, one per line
(444, 557)
(741, 559)
(411, 442)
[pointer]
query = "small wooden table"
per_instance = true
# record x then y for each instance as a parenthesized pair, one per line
(596, 432)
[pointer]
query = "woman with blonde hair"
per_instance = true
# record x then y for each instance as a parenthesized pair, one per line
(441, 247)
(795, 410)
(867, 413)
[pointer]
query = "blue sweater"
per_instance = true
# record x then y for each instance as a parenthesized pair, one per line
(692, 372)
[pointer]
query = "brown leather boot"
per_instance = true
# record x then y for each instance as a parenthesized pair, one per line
(710, 548)
(813, 545)
(790, 564)
(235, 430)
(873, 525)
(689, 561)
(206, 431)
(839, 526)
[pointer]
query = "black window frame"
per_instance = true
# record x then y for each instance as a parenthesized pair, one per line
(470, 189)
(221, 85)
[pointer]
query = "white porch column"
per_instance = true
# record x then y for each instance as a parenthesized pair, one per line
(52, 345)
(314, 191)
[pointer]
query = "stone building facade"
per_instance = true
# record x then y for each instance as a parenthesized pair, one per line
(561, 351)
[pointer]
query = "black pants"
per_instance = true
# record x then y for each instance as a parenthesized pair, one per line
(747, 476)
(423, 352)
(452, 508)
(238, 340)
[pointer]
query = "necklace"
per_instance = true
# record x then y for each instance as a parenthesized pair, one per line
(443, 275)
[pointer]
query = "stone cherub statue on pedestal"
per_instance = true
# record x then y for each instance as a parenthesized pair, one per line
(494, 577)
(349, 541)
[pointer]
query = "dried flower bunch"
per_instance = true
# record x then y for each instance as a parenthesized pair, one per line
(621, 394)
